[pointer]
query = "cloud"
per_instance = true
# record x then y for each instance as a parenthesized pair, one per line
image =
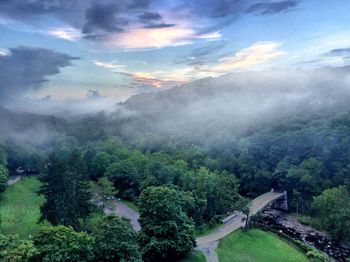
(339, 52)
(202, 54)
(268, 8)
(26, 68)
(162, 25)
(147, 17)
(108, 65)
(247, 58)
(156, 79)
(144, 38)
(108, 22)
(215, 9)
(93, 94)
(101, 17)
(150, 38)
(67, 33)
(3, 52)
(258, 53)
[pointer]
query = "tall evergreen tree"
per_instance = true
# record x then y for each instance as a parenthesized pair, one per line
(66, 190)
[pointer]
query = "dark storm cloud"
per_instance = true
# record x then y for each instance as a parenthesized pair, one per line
(216, 9)
(225, 12)
(90, 16)
(162, 25)
(339, 52)
(268, 8)
(99, 19)
(149, 17)
(153, 20)
(112, 16)
(103, 17)
(27, 68)
(32, 8)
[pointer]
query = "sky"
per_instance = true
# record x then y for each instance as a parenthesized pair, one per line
(63, 50)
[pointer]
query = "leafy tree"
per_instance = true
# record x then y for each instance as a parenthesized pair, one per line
(3, 157)
(12, 249)
(115, 240)
(226, 193)
(125, 178)
(66, 190)
(27, 157)
(103, 191)
(60, 243)
(332, 208)
(167, 233)
(100, 164)
(3, 178)
(243, 205)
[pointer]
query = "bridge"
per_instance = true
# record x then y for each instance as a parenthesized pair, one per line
(207, 244)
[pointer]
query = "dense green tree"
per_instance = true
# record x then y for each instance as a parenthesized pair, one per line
(116, 241)
(13, 249)
(3, 157)
(125, 178)
(77, 188)
(99, 165)
(226, 193)
(66, 191)
(53, 189)
(167, 233)
(27, 157)
(332, 209)
(3, 178)
(103, 191)
(60, 243)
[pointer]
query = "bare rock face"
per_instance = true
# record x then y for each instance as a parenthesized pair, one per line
(306, 234)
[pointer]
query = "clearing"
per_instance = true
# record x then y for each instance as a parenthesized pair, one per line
(257, 246)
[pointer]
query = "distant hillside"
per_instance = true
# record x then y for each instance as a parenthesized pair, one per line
(29, 128)
(232, 104)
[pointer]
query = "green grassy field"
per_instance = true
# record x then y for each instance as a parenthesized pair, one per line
(195, 256)
(257, 246)
(19, 208)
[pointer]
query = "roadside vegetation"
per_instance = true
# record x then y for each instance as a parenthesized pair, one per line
(195, 256)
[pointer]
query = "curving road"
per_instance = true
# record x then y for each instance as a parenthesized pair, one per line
(120, 209)
(206, 244)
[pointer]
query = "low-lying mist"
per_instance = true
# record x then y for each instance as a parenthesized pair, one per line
(201, 111)
(233, 104)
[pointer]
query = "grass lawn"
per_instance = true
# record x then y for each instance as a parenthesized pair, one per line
(195, 256)
(257, 246)
(20, 208)
(92, 220)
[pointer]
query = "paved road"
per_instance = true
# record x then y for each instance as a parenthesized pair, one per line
(120, 209)
(13, 180)
(206, 244)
